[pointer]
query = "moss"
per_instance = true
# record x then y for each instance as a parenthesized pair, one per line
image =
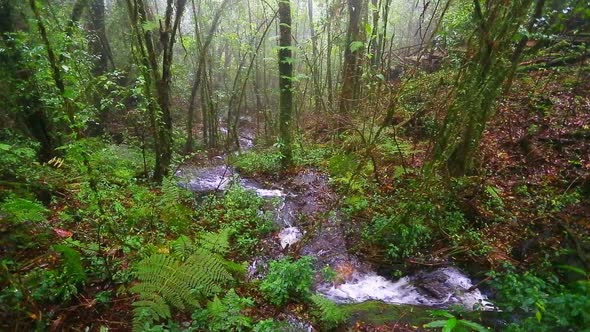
(380, 313)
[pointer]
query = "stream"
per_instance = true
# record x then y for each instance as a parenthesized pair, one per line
(310, 224)
(307, 195)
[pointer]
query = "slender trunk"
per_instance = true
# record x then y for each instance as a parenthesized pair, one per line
(329, 56)
(315, 72)
(200, 65)
(285, 81)
(99, 45)
(352, 69)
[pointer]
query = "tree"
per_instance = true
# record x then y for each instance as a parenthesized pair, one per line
(479, 84)
(352, 67)
(158, 83)
(285, 81)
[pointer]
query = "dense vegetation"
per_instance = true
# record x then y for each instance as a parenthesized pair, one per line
(451, 132)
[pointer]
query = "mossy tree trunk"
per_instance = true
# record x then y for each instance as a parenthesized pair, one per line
(478, 84)
(158, 83)
(285, 82)
(352, 66)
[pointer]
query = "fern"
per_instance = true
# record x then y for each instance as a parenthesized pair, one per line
(215, 242)
(182, 247)
(72, 262)
(20, 210)
(166, 281)
(328, 312)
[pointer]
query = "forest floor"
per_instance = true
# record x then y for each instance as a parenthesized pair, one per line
(532, 199)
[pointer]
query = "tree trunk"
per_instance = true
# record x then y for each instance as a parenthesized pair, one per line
(160, 116)
(285, 82)
(352, 66)
(99, 45)
(198, 73)
(478, 85)
(33, 118)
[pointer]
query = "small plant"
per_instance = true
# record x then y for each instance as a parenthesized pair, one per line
(452, 323)
(328, 312)
(542, 303)
(239, 211)
(225, 314)
(288, 280)
(20, 210)
(165, 282)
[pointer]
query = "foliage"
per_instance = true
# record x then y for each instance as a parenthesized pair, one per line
(20, 210)
(267, 161)
(239, 211)
(288, 280)
(328, 312)
(165, 282)
(419, 213)
(541, 302)
(224, 314)
(452, 323)
(252, 162)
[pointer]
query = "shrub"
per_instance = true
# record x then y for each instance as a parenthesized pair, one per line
(288, 280)
(541, 302)
(328, 313)
(239, 210)
(225, 314)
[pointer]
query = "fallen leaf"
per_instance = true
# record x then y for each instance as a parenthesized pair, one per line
(62, 233)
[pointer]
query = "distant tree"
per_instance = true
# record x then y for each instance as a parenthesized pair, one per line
(353, 57)
(285, 81)
(157, 83)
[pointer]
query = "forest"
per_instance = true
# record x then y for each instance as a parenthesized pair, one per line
(295, 165)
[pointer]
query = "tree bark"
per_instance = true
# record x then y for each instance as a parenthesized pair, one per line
(352, 66)
(285, 82)
(198, 73)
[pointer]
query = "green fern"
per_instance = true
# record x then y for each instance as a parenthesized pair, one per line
(328, 312)
(72, 263)
(182, 247)
(215, 242)
(166, 281)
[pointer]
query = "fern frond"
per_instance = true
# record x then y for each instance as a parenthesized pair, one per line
(72, 263)
(183, 246)
(166, 281)
(215, 242)
(328, 312)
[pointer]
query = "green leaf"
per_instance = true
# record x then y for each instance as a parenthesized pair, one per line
(356, 45)
(474, 326)
(450, 325)
(442, 313)
(436, 323)
(4, 147)
(368, 29)
(150, 25)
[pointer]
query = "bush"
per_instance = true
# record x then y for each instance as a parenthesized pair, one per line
(288, 280)
(420, 212)
(239, 210)
(542, 303)
(225, 314)
(328, 313)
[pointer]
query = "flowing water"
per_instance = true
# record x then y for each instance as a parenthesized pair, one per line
(308, 194)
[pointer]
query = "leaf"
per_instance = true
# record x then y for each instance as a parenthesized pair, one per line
(356, 45)
(442, 313)
(368, 29)
(4, 147)
(474, 326)
(62, 233)
(450, 325)
(574, 269)
(436, 323)
(150, 25)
